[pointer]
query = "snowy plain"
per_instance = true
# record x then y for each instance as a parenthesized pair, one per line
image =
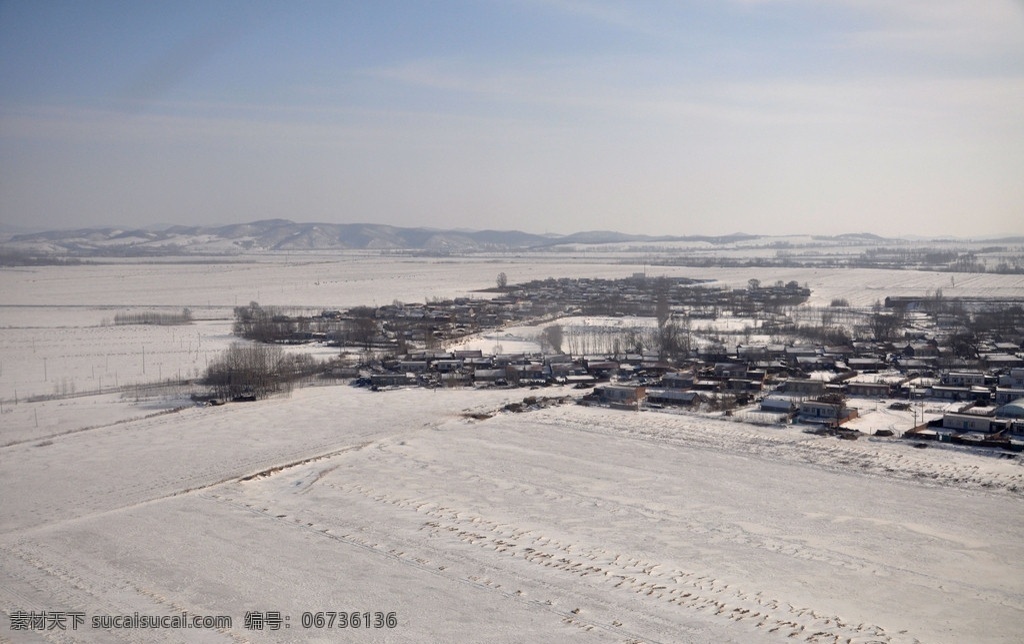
(471, 523)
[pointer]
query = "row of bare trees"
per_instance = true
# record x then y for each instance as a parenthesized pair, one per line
(152, 317)
(247, 370)
(671, 339)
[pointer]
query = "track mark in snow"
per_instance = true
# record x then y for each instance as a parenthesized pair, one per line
(123, 494)
(682, 588)
(92, 588)
(312, 459)
(657, 582)
(653, 581)
(426, 566)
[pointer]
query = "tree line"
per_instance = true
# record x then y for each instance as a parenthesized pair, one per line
(152, 317)
(256, 371)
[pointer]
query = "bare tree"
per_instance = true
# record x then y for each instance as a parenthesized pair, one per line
(662, 308)
(634, 340)
(883, 326)
(673, 340)
(553, 335)
(246, 370)
(364, 326)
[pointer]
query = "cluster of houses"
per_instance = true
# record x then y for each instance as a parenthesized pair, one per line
(641, 295)
(994, 409)
(473, 368)
(399, 325)
(809, 382)
(991, 401)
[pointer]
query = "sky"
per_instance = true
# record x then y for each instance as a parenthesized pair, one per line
(675, 117)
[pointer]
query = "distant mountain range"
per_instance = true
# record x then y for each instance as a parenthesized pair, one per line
(283, 235)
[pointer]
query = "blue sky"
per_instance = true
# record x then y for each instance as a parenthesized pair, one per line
(699, 117)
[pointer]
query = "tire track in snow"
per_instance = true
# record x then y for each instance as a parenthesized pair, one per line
(687, 589)
(602, 569)
(421, 564)
(92, 589)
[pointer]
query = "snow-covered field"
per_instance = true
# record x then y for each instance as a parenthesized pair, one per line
(561, 524)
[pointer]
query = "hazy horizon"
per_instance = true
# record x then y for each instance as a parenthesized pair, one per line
(764, 117)
(6, 229)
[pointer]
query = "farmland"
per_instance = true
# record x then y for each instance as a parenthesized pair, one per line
(469, 522)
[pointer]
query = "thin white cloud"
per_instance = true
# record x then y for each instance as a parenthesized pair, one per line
(962, 27)
(592, 136)
(730, 100)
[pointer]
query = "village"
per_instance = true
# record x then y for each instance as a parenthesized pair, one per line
(758, 354)
(828, 429)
